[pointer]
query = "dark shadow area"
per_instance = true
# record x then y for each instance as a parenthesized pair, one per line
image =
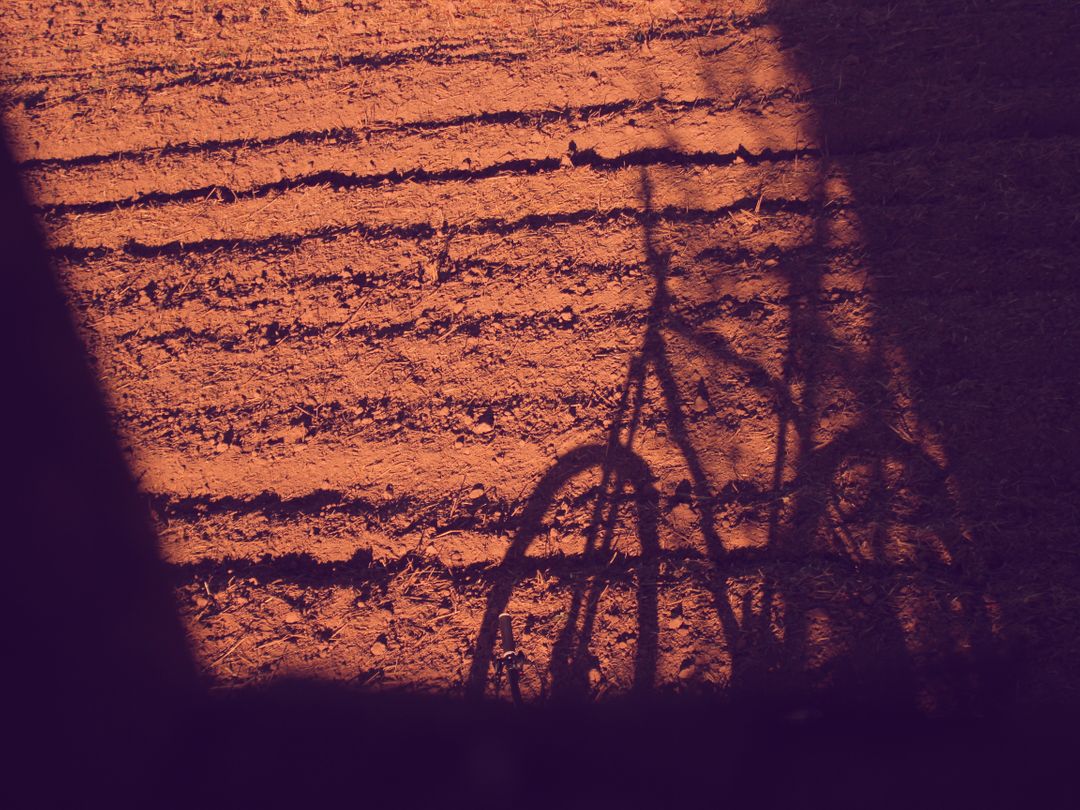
(953, 128)
(101, 672)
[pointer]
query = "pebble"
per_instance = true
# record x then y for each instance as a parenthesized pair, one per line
(476, 492)
(201, 602)
(481, 428)
(378, 649)
(292, 617)
(595, 676)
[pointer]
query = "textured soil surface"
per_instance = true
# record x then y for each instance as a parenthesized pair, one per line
(727, 346)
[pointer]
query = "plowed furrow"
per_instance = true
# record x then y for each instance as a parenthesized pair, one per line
(278, 45)
(432, 139)
(528, 201)
(445, 519)
(699, 136)
(81, 89)
(351, 265)
(415, 626)
(343, 98)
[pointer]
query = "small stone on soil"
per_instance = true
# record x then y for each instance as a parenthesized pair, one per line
(292, 617)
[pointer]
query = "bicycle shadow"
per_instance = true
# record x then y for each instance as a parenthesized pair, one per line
(846, 496)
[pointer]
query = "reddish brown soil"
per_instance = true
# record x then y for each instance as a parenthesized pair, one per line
(727, 349)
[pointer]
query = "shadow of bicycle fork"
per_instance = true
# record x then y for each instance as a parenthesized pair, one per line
(570, 656)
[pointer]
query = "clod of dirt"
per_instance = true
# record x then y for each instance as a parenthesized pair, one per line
(201, 602)
(676, 623)
(687, 669)
(701, 402)
(292, 617)
(477, 492)
(595, 677)
(485, 424)
(682, 517)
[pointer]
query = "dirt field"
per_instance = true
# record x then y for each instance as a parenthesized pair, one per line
(730, 347)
